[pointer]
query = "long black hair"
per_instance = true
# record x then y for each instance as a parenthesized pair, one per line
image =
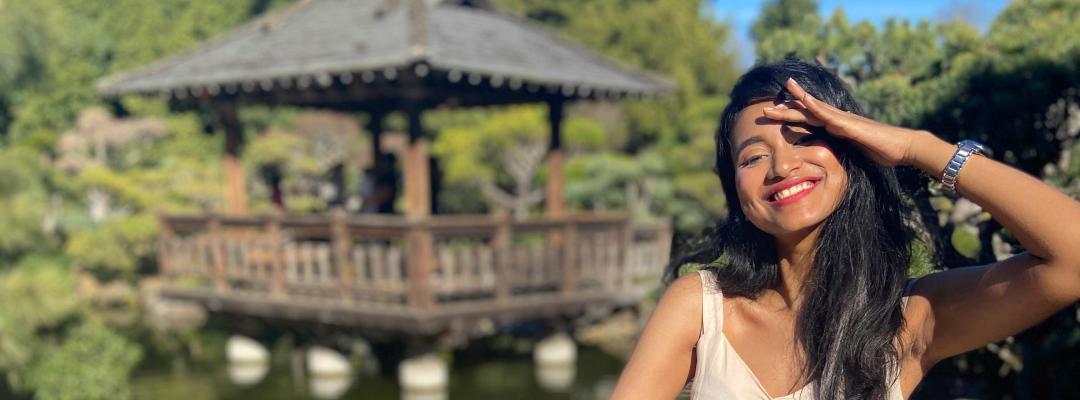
(849, 321)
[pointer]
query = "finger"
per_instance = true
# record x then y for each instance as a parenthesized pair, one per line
(822, 110)
(792, 115)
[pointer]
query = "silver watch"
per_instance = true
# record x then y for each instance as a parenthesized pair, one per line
(964, 150)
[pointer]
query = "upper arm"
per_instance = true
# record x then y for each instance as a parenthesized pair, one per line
(662, 357)
(971, 307)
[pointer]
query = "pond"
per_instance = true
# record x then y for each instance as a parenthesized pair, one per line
(471, 377)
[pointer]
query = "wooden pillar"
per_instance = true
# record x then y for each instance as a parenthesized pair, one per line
(417, 168)
(166, 238)
(233, 168)
(553, 194)
(421, 241)
(342, 243)
(624, 274)
(569, 258)
(278, 285)
(375, 127)
(217, 253)
(420, 264)
(501, 244)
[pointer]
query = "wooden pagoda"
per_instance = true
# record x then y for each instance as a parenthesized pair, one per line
(418, 271)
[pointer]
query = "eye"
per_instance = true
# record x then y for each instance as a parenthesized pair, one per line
(751, 160)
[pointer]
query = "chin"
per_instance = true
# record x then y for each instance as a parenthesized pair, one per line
(791, 227)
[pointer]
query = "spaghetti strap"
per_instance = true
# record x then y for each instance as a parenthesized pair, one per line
(712, 316)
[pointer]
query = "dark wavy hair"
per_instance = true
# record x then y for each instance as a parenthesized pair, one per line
(849, 322)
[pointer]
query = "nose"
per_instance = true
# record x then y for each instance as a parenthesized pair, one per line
(784, 160)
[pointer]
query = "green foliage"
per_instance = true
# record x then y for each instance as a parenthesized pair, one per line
(38, 293)
(473, 152)
(23, 201)
(966, 243)
(679, 127)
(921, 261)
(62, 373)
(115, 247)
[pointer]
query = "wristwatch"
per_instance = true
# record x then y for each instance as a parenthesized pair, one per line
(964, 150)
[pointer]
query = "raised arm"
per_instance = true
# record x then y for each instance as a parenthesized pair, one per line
(661, 362)
(971, 307)
(966, 308)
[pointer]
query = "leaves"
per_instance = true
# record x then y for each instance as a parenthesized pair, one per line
(62, 374)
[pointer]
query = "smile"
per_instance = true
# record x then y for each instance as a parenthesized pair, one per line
(792, 193)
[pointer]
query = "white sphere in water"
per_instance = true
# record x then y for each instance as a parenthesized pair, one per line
(244, 350)
(424, 374)
(323, 362)
(557, 349)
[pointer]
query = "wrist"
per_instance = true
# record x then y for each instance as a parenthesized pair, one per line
(929, 153)
(917, 141)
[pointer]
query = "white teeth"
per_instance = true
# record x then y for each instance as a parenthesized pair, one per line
(783, 194)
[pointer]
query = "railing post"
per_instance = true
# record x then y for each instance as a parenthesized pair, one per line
(569, 257)
(342, 242)
(420, 262)
(166, 235)
(277, 254)
(217, 252)
(625, 275)
(501, 245)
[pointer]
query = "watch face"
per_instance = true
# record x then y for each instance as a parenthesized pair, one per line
(976, 147)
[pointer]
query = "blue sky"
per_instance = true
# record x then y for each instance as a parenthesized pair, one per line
(741, 14)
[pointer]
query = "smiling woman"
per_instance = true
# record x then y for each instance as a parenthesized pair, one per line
(809, 293)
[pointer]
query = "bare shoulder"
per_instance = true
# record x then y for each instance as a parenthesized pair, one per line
(688, 288)
(662, 359)
(679, 306)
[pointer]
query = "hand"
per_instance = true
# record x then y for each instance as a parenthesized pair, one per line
(885, 144)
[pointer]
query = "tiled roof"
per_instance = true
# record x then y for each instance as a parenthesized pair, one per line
(354, 42)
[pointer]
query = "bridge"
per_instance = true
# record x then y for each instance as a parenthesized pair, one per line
(409, 276)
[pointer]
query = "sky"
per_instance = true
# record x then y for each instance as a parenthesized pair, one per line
(741, 14)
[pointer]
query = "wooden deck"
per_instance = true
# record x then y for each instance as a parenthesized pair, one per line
(414, 276)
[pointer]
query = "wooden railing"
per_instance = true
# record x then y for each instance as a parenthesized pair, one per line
(440, 262)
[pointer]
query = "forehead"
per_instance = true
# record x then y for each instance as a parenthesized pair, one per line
(751, 121)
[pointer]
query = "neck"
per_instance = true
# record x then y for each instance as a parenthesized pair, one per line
(795, 256)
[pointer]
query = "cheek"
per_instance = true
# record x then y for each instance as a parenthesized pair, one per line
(824, 157)
(747, 184)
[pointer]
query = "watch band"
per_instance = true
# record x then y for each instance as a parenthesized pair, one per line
(964, 150)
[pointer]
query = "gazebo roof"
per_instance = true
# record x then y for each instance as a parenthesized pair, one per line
(356, 52)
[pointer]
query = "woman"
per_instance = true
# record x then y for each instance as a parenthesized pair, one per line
(811, 299)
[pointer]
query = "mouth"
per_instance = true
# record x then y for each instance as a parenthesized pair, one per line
(792, 191)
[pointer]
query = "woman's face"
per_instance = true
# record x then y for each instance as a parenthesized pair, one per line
(788, 179)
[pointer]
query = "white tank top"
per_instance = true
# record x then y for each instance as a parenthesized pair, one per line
(721, 373)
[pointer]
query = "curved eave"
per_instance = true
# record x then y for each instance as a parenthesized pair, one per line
(290, 80)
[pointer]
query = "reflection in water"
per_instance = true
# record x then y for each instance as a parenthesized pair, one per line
(423, 378)
(329, 387)
(247, 374)
(556, 362)
(424, 395)
(555, 377)
(471, 377)
(329, 373)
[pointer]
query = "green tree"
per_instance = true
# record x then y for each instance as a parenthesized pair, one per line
(61, 374)
(678, 128)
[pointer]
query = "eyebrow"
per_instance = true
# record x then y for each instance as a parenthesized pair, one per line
(810, 130)
(746, 143)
